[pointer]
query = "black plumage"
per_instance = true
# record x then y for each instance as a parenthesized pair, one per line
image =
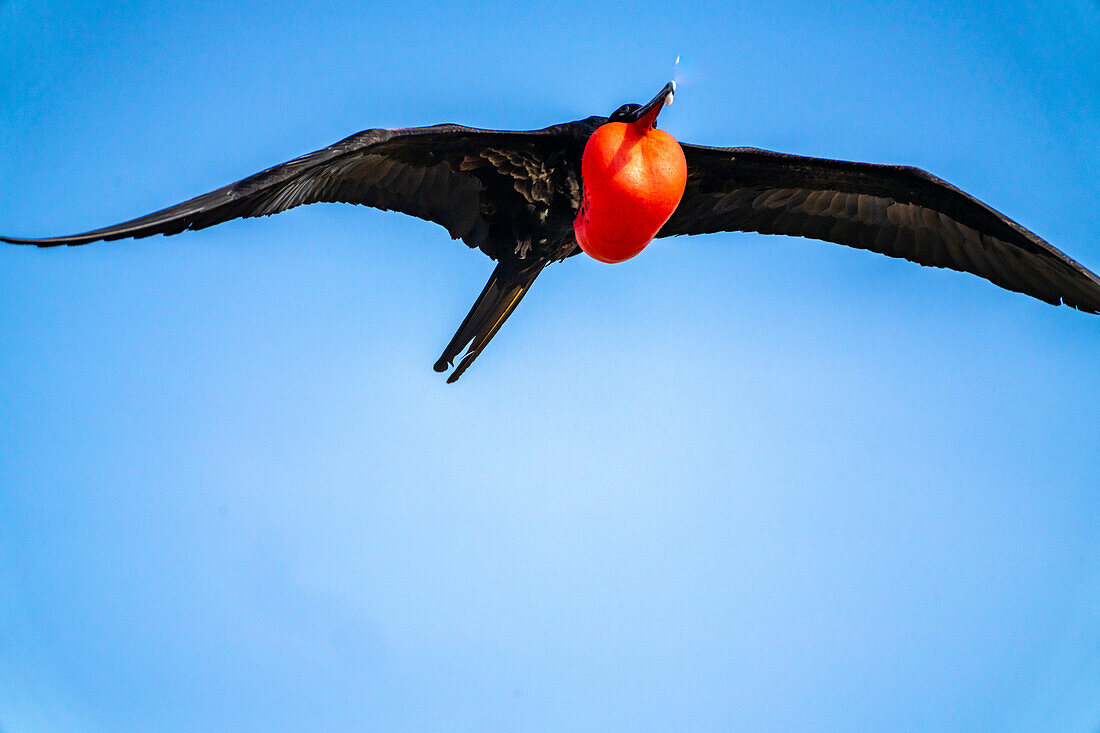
(894, 210)
(514, 195)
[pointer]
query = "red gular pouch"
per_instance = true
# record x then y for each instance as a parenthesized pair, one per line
(634, 176)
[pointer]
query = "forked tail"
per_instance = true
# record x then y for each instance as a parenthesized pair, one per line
(505, 289)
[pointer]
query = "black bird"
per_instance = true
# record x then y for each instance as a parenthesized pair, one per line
(516, 196)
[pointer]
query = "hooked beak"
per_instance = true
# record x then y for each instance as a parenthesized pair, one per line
(645, 117)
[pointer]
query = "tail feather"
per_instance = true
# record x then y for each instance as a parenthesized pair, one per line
(505, 289)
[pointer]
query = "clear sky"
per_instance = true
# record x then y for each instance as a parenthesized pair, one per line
(738, 483)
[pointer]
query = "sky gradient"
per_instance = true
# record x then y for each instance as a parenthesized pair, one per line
(737, 483)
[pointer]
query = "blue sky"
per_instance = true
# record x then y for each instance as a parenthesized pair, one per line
(739, 482)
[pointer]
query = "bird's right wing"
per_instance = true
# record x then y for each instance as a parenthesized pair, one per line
(436, 173)
(895, 210)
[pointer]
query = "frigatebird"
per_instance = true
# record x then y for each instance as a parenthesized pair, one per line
(609, 185)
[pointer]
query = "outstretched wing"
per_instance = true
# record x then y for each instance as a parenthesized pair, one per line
(436, 173)
(895, 210)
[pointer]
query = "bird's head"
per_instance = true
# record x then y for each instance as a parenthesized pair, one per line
(643, 117)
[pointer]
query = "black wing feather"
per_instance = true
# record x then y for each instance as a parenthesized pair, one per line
(894, 210)
(435, 173)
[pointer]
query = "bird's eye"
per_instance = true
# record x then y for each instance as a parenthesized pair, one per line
(623, 113)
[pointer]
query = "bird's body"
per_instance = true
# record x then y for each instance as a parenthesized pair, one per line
(520, 197)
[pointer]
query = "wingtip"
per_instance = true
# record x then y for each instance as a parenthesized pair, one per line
(30, 242)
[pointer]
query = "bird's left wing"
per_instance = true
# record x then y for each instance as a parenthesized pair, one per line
(435, 173)
(895, 210)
